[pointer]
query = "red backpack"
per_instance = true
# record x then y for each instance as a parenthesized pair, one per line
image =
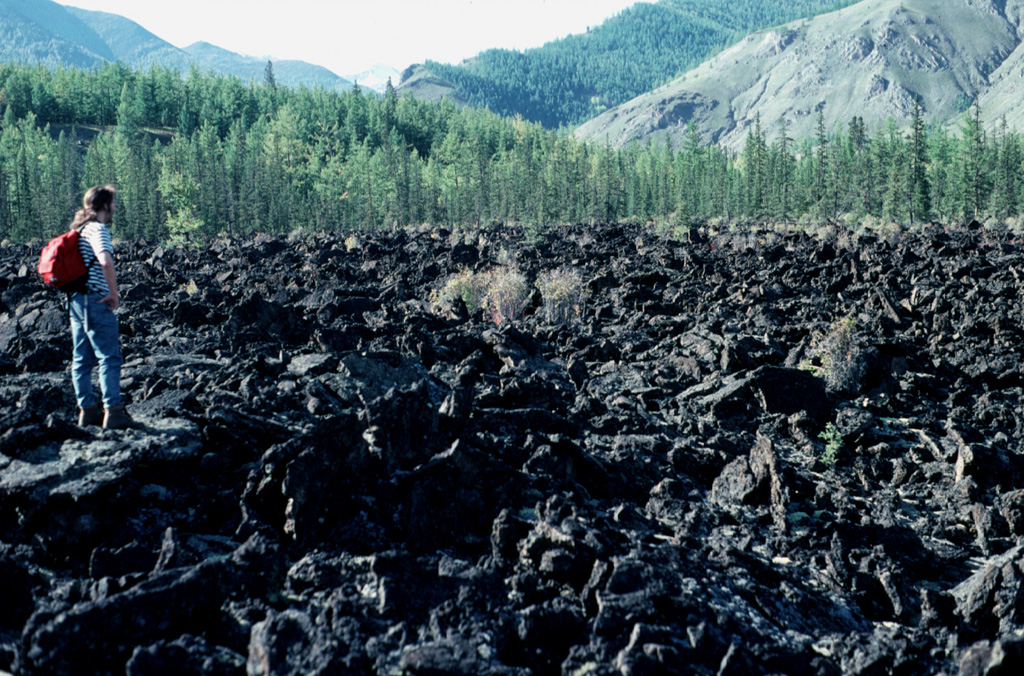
(61, 263)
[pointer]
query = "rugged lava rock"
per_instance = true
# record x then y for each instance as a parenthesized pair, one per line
(337, 477)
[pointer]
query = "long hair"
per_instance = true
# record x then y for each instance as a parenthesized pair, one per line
(97, 198)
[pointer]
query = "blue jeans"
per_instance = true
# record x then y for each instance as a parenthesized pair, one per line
(94, 335)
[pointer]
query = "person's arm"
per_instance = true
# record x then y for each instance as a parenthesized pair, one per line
(106, 261)
(102, 249)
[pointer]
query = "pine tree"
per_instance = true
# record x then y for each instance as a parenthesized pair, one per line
(755, 154)
(268, 76)
(821, 168)
(186, 117)
(389, 107)
(895, 203)
(918, 189)
(973, 174)
(883, 156)
(128, 124)
(1007, 175)
(860, 164)
(836, 185)
(604, 180)
(784, 174)
(944, 195)
(44, 105)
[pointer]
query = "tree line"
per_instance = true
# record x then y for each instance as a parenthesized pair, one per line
(203, 155)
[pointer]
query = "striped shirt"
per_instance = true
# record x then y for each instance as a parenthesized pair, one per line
(95, 236)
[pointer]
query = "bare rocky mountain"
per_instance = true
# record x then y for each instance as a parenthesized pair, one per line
(419, 82)
(749, 453)
(872, 59)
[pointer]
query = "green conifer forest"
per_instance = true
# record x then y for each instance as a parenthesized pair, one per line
(203, 155)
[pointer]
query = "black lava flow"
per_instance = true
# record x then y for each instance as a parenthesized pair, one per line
(751, 453)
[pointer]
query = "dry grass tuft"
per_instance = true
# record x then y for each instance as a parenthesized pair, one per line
(502, 291)
(839, 355)
(563, 294)
(507, 293)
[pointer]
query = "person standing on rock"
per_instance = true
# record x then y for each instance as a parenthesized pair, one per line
(95, 333)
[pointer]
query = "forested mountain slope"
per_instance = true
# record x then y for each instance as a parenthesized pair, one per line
(570, 80)
(129, 42)
(43, 32)
(871, 60)
(47, 33)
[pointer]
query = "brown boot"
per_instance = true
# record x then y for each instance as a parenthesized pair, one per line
(92, 415)
(117, 418)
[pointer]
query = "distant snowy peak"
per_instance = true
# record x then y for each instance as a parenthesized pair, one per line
(376, 78)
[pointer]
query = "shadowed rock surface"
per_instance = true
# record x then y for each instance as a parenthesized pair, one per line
(334, 476)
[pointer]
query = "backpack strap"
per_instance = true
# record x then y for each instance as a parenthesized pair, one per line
(95, 260)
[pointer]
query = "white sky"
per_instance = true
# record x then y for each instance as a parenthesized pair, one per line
(350, 36)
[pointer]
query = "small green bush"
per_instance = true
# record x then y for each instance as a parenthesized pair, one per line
(465, 284)
(506, 257)
(833, 444)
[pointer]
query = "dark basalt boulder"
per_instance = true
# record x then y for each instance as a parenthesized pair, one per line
(756, 452)
(94, 634)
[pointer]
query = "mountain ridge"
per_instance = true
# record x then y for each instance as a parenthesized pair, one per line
(872, 59)
(21, 33)
(46, 32)
(128, 41)
(571, 79)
